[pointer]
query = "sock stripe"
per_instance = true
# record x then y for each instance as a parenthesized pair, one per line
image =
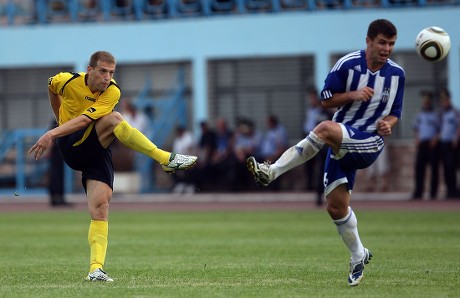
(344, 220)
(317, 142)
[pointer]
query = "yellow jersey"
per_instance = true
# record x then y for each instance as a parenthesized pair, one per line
(77, 99)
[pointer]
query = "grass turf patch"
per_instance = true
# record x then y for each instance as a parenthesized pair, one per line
(230, 254)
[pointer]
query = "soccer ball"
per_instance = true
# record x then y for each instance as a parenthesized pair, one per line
(432, 44)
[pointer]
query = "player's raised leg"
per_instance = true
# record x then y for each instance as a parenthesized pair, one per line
(265, 173)
(115, 125)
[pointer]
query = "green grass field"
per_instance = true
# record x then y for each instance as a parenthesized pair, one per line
(230, 254)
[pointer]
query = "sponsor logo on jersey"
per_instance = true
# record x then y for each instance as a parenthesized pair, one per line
(357, 68)
(91, 110)
(90, 98)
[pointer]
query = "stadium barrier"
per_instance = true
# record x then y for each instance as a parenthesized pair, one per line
(14, 12)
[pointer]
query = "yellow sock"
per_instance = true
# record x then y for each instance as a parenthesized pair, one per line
(97, 239)
(134, 139)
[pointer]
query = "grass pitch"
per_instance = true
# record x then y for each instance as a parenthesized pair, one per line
(230, 254)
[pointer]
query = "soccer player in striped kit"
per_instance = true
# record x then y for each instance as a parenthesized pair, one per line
(367, 89)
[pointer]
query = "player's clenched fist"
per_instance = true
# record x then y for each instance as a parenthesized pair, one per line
(383, 128)
(363, 94)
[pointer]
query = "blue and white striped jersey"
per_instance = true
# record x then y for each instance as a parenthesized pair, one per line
(350, 73)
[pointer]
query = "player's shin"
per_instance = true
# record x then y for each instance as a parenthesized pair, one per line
(297, 155)
(348, 229)
(97, 239)
(134, 139)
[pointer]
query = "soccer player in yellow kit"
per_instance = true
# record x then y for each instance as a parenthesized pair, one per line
(83, 105)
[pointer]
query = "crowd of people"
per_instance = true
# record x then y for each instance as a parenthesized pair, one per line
(222, 153)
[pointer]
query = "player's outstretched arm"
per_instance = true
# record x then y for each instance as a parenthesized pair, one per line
(67, 128)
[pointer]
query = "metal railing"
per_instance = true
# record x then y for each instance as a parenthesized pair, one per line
(73, 11)
(27, 171)
(171, 110)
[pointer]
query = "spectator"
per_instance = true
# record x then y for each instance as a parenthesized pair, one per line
(56, 175)
(138, 120)
(247, 140)
(134, 160)
(184, 142)
(207, 143)
(136, 117)
(449, 136)
(274, 142)
(224, 160)
(426, 127)
(314, 115)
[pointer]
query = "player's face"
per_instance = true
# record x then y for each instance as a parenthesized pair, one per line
(379, 50)
(99, 77)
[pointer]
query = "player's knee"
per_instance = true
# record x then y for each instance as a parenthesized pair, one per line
(337, 211)
(324, 129)
(109, 121)
(99, 211)
(115, 117)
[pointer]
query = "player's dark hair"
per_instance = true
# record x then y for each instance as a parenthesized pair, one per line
(381, 26)
(101, 56)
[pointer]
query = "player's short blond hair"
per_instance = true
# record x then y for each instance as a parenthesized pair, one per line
(101, 56)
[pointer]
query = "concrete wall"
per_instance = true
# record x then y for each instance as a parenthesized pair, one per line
(200, 39)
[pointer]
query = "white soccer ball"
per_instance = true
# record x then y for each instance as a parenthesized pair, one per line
(432, 44)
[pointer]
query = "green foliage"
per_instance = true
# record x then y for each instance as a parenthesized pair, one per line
(230, 254)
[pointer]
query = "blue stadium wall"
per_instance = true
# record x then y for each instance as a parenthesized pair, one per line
(240, 36)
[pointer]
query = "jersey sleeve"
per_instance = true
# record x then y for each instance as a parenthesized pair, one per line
(57, 81)
(105, 103)
(339, 78)
(334, 82)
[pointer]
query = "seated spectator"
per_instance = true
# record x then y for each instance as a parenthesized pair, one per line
(140, 121)
(247, 140)
(223, 161)
(89, 10)
(314, 114)
(274, 142)
(200, 174)
(183, 142)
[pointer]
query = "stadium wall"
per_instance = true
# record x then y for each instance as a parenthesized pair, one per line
(201, 39)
